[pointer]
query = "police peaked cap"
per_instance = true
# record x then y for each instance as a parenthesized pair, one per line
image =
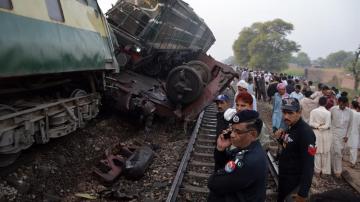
(290, 104)
(244, 116)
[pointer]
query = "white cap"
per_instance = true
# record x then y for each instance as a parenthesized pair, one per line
(229, 114)
(242, 84)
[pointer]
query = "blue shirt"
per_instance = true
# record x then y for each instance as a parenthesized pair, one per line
(277, 116)
(298, 96)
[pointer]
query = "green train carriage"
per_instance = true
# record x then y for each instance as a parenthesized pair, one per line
(54, 55)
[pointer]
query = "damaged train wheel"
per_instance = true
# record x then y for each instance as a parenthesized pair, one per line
(184, 85)
(7, 159)
(202, 68)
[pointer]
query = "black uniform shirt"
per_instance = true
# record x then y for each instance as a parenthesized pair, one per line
(246, 182)
(296, 162)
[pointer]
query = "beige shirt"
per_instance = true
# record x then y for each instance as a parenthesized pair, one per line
(320, 120)
(316, 95)
(312, 88)
(307, 105)
(353, 141)
(341, 121)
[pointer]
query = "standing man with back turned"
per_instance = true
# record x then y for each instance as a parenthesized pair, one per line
(320, 121)
(296, 161)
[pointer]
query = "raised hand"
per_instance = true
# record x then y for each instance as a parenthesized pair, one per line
(222, 143)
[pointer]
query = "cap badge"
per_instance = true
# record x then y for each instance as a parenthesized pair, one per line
(236, 119)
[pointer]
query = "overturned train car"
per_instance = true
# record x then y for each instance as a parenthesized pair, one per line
(161, 45)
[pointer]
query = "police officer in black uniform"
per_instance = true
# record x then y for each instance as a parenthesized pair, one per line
(296, 161)
(240, 173)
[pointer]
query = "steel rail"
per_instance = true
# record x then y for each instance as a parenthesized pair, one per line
(274, 170)
(184, 162)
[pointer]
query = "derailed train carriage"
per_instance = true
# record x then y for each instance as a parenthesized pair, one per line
(59, 57)
(53, 57)
(161, 47)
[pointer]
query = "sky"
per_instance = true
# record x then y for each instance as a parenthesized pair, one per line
(320, 26)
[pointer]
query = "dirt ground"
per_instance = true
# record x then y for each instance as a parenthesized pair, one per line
(63, 167)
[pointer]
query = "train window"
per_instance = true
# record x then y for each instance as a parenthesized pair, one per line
(6, 4)
(83, 2)
(54, 10)
(92, 3)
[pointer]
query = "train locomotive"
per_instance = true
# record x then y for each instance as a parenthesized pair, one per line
(161, 49)
(58, 58)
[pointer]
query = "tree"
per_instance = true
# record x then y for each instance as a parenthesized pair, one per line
(319, 62)
(339, 59)
(355, 69)
(264, 45)
(302, 59)
(240, 46)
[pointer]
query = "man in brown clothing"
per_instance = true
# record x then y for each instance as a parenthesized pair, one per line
(307, 105)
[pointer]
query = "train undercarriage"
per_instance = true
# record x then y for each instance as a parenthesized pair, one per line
(35, 113)
(185, 92)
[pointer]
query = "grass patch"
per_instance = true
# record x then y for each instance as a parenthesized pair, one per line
(295, 71)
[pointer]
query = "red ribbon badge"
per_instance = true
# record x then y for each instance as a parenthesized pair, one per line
(230, 167)
(312, 150)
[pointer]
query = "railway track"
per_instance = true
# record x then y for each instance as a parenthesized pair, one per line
(273, 180)
(197, 164)
(190, 182)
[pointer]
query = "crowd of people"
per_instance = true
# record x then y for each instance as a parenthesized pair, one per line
(333, 118)
(312, 126)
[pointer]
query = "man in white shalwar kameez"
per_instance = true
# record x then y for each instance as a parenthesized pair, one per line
(320, 119)
(341, 118)
(353, 141)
